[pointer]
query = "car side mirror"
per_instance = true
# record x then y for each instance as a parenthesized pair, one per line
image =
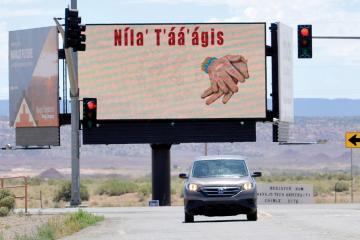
(256, 174)
(183, 176)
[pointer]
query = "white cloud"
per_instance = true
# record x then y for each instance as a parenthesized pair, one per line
(12, 2)
(7, 13)
(328, 18)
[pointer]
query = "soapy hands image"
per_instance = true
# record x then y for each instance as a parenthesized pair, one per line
(224, 73)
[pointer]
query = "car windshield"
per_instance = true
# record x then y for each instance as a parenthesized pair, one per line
(219, 168)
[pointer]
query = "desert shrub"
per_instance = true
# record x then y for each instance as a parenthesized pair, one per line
(64, 193)
(115, 187)
(7, 202)
(5, 193)
(34, 181)
(4, 211)
(342, 186)
(144, 189)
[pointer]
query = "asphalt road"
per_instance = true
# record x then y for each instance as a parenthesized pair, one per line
(341, 221)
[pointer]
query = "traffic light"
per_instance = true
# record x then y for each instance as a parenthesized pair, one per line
(304, 41)
(74, 36)
(89, 112)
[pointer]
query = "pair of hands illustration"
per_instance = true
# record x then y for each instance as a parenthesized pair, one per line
(225, 73)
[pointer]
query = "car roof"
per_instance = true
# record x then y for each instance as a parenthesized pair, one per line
(219, 157)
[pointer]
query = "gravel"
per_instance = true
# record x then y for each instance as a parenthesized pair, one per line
(21, 224)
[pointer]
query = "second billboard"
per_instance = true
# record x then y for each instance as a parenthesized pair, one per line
(175, 71)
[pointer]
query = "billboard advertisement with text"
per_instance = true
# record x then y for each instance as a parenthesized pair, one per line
(175, 71)
(33, 78)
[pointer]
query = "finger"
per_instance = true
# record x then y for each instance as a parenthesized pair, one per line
(227, 97)
(231, 84)
(222, 86)
(232, 71)
(244, 69)
(213, 97)
(235, 58)
(213, 82)
(207, 92)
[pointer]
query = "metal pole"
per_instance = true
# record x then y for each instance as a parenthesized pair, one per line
(75, 118)
(26, 194)
(41, 204)
(335, 37)
(161, 189)
(206, 149)
(275, 80)
(75, 143)
(352, 179)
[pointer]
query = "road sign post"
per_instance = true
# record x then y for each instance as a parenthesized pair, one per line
(352, 140)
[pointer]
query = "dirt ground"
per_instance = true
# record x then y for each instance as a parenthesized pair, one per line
(20, 224)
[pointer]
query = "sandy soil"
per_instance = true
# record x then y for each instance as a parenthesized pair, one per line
(20, 224)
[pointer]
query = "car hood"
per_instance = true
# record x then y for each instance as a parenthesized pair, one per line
(216, 181)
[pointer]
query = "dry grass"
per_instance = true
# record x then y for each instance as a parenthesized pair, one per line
(141, 194)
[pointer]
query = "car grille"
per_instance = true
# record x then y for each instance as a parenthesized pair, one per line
(220, 191)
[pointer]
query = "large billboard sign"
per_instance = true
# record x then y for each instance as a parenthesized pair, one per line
(175, 71)
(33, 85)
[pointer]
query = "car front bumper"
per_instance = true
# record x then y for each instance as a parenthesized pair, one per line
(221, 207)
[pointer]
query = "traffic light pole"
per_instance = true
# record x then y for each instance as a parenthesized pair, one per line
(71, 60)
(334, 37)
(75, 134)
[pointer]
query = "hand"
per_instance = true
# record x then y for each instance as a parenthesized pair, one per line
(224, 78)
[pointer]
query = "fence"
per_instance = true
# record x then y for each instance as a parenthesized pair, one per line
(25, 186)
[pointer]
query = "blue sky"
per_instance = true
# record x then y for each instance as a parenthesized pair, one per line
(332, 73)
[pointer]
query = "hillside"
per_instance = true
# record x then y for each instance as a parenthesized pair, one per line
(136, 159)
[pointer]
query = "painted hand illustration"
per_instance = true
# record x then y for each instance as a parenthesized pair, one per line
(224, 74)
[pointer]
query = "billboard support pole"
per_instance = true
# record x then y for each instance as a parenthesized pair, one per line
(274, 79)
(161, 181)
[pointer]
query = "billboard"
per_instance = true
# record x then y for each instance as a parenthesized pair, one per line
(175, 71)
(33, 84)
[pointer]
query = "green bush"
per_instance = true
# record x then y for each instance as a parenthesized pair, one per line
(4, 211)
(115, 187)
(83, 219)
(144, 189)
(8, 202)
(342, 186)
(5, 193)
(64, 193)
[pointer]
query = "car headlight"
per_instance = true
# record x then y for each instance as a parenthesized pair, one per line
(193, 187)
(247, 186)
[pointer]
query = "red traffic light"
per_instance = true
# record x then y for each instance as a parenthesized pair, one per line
(305, 32)
(91, 105)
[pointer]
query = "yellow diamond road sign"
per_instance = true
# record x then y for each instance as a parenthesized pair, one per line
(352, 140)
